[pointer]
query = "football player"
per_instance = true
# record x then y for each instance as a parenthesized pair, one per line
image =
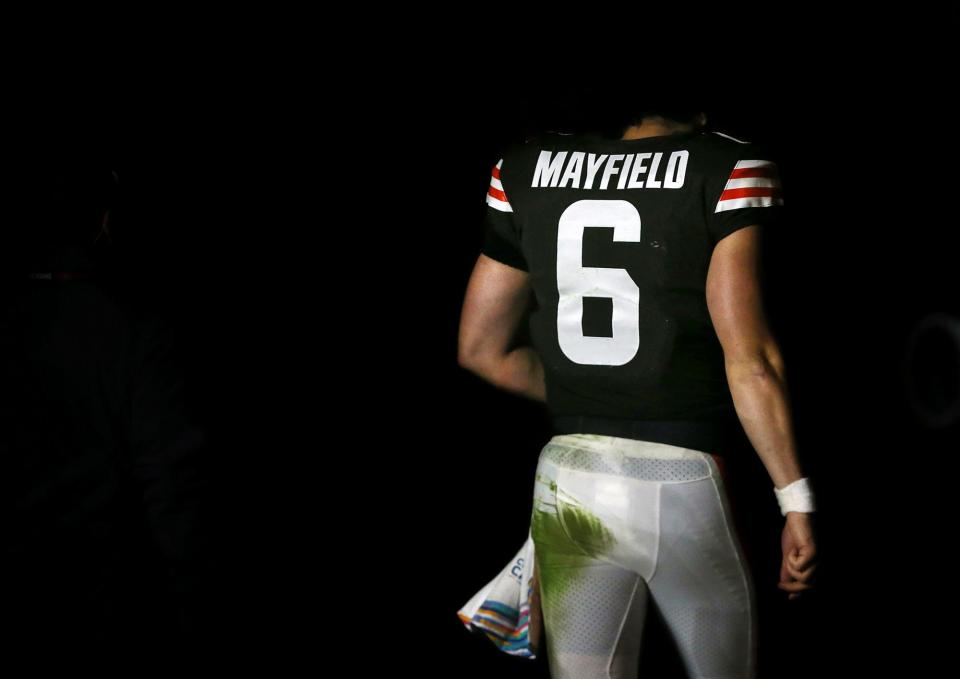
(635, 261)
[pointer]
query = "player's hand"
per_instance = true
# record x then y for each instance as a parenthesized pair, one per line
(799, 554)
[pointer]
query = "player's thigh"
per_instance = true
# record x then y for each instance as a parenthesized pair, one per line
(702, 583)
(593, 609)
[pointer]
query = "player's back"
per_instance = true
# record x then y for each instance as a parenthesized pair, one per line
(617, 236)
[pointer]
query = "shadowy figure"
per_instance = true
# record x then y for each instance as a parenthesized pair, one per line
(102, 454)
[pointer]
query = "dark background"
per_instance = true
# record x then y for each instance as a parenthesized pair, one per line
(367, 486)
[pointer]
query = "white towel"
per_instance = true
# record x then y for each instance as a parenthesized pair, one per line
(507, 609)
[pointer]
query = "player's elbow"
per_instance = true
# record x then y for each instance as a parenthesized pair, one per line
(470, 354)
(480, 356)
(742, 370)
(757, 362)
(465, 359)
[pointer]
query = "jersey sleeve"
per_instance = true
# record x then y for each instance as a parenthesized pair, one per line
(501, 238)
(746, 190)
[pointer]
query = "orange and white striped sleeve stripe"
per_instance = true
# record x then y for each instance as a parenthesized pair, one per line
(753, 183)
(496, 198)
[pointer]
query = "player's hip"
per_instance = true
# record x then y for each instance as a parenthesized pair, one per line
(642, 460)
(599, 497)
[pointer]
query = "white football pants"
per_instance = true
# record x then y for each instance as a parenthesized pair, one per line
(619, 521)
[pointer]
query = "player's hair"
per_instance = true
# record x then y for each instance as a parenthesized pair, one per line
(614, 120)
(634, 105)
(678, 115)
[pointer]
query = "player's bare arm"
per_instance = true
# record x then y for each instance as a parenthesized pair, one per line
(757, 379)
(495, 304)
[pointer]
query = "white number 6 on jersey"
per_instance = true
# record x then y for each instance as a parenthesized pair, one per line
(574, 282)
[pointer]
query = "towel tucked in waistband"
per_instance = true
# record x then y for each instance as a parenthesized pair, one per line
(507, 609)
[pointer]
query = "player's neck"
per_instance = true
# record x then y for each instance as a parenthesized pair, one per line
(655, 127)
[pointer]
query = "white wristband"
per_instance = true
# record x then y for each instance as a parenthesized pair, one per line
(795, 497)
